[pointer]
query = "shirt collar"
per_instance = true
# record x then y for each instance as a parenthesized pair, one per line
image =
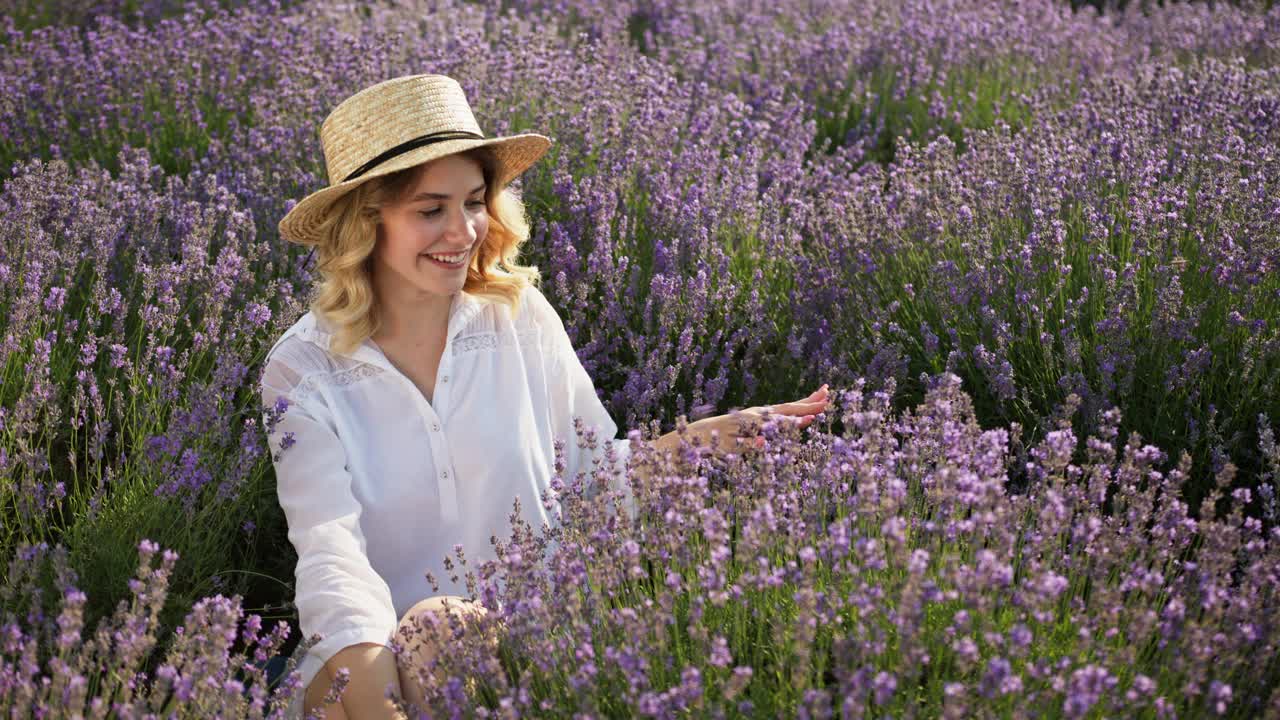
(463, 307)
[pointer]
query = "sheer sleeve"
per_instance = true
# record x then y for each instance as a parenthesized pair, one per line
(573, 394)
(338, 594)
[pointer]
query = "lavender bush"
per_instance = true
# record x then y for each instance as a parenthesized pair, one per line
(883, 570)
(132, 315)
(1075, 215)
(1139, 271)
(48, 669)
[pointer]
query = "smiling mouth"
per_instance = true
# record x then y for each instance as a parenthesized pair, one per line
(464, 255)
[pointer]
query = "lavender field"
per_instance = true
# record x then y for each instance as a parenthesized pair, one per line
(1034, 251)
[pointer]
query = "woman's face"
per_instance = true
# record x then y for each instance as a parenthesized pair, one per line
(444, 216)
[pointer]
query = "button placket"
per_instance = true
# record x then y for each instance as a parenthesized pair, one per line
(442, 374)
(433, 412)
(448, 490)
(447, 483)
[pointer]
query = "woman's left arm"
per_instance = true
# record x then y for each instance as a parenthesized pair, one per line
(728, 427)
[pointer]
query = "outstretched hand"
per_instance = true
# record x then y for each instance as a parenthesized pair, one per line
(732, 438)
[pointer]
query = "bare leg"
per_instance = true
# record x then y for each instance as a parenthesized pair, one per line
(316, 691)
(423, 651)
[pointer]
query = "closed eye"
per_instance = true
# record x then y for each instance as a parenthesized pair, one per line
(436, 211)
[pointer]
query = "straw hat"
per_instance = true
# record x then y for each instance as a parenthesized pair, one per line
(397, 124)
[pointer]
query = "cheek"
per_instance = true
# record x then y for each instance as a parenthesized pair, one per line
(422, 231)
(402, 241)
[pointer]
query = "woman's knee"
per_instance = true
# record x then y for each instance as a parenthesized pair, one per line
(409, 629)
(437, 603)
(420, 651)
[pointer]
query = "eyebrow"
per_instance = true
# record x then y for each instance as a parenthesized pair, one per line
(438, 196)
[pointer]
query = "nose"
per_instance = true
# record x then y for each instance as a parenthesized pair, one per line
(459, 224)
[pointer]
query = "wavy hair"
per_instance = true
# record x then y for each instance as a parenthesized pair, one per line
(345, 297)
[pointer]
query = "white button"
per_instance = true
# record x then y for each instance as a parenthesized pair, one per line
(435, 427)
(444, 474)
(444, 379)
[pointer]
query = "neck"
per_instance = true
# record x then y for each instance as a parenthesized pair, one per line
(412, 319)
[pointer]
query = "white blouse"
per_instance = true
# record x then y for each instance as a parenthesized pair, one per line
(379, 484)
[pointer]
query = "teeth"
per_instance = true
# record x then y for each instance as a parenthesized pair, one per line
(451, 259)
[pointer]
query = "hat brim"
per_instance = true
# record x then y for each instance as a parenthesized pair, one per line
(515, 153)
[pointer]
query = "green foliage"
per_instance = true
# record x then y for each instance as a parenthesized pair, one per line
(1217, 409)
(979, 93)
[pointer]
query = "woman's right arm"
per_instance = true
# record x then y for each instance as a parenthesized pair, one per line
(338, 594)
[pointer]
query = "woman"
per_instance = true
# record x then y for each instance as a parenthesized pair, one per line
(424, 389)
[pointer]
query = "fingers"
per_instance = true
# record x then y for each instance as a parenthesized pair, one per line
(802, 413)
(806, 407)
(800, 407)
(820, 392)
(818, 398)
(815, 402)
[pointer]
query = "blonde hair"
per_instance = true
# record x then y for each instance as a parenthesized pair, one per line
(345, 297)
